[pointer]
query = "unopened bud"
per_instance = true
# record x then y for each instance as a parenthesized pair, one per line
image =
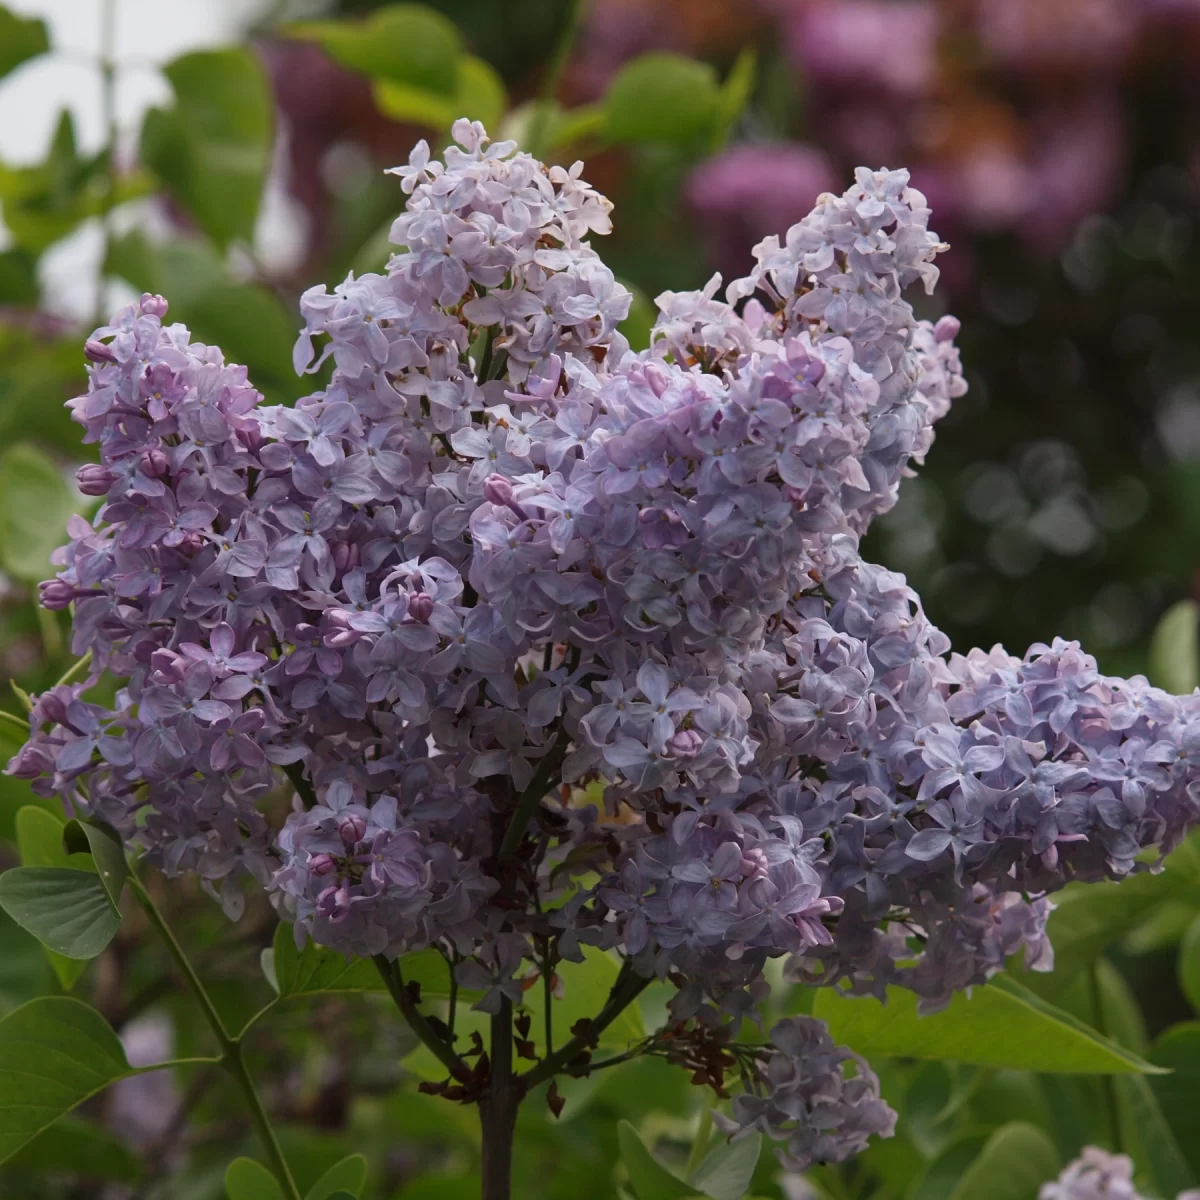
(685, 743)
(497, 490)
(420, 606)
(153, 306)
(94, 479)
(352, 827)
(322, 864)
(56, 594)
(98, 351)
(154, 463)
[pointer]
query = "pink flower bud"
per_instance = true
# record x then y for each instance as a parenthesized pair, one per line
(322, 864)
(168, 664)
(420, 606)
(94, 479)
(29, 762)
(685, 743)
(154, 463)
(334, 904)
(946, 330)
(55, 594)
(497, 490)
(352, 827)
(50, 706)
(97, 351)
(153, 306)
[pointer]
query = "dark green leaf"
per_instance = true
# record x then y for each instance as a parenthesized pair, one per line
(1189, 964)
(725, 1172)
(18, 278)
(647, 1176)
(1013, 1165)
(1178, 1094)
(1149, 1138)
(942, 1175)
(1000, 1025)
(212, 149)
(54, 1053)
(79, 1148)
(65, 909)
(662, 97)
(21, 38)
(1175, 649)
(246, 1179)
(345, 1178)
(35, 504)
(407, 43)
(736, 92)
(103, 844)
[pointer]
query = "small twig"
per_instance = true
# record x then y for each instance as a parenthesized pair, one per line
(389, 972)
(531, 798)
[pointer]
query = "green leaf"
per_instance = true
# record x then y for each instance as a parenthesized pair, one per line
(1002, 1024)
(1178, 1093)
(317, 971)
(35, 504)
(585, 987)
(1149, 1138)
(246, 1179)
(725, 1172)
(103, 844)
(479, 96)
(40, 841)
(1175, 649)
(345, 1178)
(1189, 964)
(78, 1148)
(942, 1175)
(1089, 917)
(65, 909)
(212, 149)
(662, 97)
(649, 1179)
(407, 43)
(736, 92)
(21, 38)
(1013, 1165)
(55, 1052)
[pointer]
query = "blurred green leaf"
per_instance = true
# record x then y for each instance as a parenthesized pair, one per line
(45, 202)
(662, 97)
(735, 94)
(642, 315)
(648, 1177)
(1175, 649)
(65, 909)
(725, 1171)
(406, 43)
(54, 1053)
(35, 504)
(18, 278)
(78, 1148)
(585, 987)
(212, 149)
(479, 95)
(1178, 1093)
(1001, 1024)
(21, 38)
(40, 841)
(942, 1175)
(1013, 1165)
(1189, 964)
(344, 1178)
(1148, 1137)
(249, 1180)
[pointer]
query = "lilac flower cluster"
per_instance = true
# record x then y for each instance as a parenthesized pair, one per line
(1098, 1175)
(502, 564)
(803, 1097)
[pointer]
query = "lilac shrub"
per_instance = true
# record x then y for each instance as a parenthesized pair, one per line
(561, 645)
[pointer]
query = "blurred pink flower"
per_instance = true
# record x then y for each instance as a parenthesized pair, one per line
(1034, 35)
(751, 190)
(890, 45)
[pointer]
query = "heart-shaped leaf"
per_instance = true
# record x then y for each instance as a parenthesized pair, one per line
(648, 1177)
(103, 843)
(65, 909)
(246, 1179)
(345, 1178)
(725, 1171)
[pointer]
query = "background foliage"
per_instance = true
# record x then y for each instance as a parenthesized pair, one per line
(1063, 496)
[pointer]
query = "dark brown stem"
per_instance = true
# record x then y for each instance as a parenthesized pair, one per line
(498, 1109)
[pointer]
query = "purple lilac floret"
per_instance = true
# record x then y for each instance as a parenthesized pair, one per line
(501, 553)
(1098, 1175)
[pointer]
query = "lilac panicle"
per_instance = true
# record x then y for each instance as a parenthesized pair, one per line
(502, 557)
